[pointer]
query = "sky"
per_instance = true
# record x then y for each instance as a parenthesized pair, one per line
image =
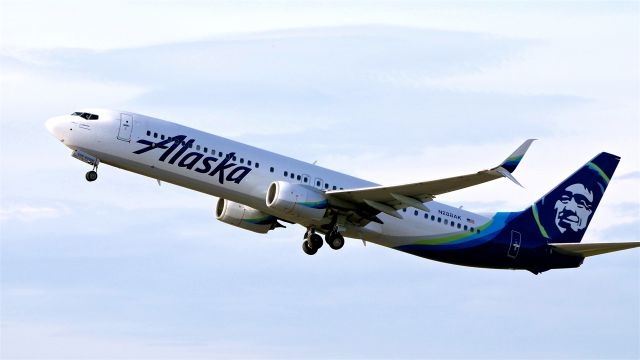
(389, 91)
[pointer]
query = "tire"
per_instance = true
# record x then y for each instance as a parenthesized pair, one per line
(91, 176)
(335, 241)
(315, 241)
(308, 249)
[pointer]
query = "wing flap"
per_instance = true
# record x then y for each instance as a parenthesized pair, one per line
(592, 249)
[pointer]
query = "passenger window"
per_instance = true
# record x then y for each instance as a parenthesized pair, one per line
(257, 165)
(198, 147)
(439, 219)
(326, 186)
(471, 229)
(292, 176)
(271, 169)
(148, 133)
(249, 162)
(298, 177)
(241, 161)
(286, 173)
(459, 225)
(161, 137)
(465, 228)
(190, 145)
(155, 134)
(334, 187)
(478, 231)
(206, 150)
(305, 180)
(317, 183)
(426, 216)
(220, 154)
(433, 218)
(404, 210)
(415, 213)
(234, 158)
(446, 221)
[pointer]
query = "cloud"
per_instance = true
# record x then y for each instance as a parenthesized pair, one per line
(153, 274)
(629, 231)
(311, 79)
(31, 213)
(634, 175)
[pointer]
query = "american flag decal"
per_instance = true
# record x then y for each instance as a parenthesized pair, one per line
(470, 221)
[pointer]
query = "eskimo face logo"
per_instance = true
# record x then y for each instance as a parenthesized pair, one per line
(573, 208)
(196, 161)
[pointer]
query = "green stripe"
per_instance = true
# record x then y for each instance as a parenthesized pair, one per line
(535, 215)
(259, 220)
(515, 158)
(452, 238)
(596, 168)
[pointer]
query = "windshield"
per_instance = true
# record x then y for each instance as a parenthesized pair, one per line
(85, 115)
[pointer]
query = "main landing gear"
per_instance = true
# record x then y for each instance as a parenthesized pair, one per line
(313, 242)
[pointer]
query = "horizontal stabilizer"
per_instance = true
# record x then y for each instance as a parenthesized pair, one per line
(593, 248)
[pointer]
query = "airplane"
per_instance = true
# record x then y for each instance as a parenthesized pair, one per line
(260, 190)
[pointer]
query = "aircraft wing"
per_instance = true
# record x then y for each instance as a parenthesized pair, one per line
(388, 199)
(583, 249)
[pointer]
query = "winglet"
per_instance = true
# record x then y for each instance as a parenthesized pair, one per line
(508, 175)
(513, 160)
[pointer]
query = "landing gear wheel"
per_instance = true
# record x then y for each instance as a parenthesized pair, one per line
(315, 241)
(91, 175)
(308, 249)
(335, 241)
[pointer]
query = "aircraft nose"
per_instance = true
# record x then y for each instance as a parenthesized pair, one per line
(56, 126)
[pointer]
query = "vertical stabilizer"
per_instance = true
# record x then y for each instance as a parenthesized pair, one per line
(563, 215)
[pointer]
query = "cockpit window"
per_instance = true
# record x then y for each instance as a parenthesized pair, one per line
(84, 115)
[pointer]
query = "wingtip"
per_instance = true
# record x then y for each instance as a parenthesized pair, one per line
(512, 161)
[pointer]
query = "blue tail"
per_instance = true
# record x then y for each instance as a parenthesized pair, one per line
(563, 215)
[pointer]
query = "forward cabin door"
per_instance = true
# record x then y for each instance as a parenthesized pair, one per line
(126, 124)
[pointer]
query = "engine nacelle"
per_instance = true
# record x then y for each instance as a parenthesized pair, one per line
(296, 200)
(245, 217)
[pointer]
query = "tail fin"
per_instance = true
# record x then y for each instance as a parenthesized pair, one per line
(562, 215)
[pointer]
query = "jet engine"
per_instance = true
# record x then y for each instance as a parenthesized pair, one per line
(245, 217)
(296, 200)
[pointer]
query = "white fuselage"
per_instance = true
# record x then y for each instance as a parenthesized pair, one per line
(114, 137)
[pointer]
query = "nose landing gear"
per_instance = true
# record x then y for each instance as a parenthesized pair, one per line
(92, 175)
(89, 159)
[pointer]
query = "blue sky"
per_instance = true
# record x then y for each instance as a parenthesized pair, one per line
(389, 91)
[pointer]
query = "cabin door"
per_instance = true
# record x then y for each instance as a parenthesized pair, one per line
(126, 123)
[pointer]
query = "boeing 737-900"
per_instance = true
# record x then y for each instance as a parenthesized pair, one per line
(259, 190)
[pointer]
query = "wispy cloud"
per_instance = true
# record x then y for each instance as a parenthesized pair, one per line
(634, 175)
(31, 213)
